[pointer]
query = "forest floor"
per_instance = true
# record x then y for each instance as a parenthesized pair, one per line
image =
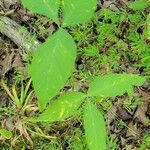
(114, 41)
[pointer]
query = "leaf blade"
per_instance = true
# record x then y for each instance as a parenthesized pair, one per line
(114, 85)
(52, 65)
(48, 8)
(139, 4)
(62, 108)
(94, 126)
(77, 11)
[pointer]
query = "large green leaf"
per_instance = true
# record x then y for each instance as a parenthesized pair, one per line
(62, 108)
(77, 11)
(95, 130)
(114, 84)
(52, 64)
(48, 8)
(139, 4)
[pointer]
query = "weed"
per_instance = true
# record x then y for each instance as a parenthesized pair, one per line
(112, 142)
(145, 142)
(132, 103)
(53, 62)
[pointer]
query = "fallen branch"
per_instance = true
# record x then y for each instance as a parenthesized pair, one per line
(18, 34)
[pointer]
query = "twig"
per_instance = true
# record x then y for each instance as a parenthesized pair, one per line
(18, 34)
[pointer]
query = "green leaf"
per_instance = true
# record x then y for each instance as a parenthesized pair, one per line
(114, 85)
(47, 8)
(95, 130)
(62, 108)
(52, 65)
(139, 4)
(5, 133)
(77, 11)
(148, 26)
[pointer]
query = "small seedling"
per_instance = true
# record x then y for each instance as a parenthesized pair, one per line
(21, 100)
(53, 63)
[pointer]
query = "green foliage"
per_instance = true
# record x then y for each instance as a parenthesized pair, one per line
(5, 133)
(76, 140)
(55, 66)
(41, 28)
(82, 34)
(78, 11)
(145, 142)
(19, 99)
(62, 108)
(138, 41)
(52, 64)
(48, 8)
(147, 31)
(54, 144)
(114, 84)
(114, 16)
(136, 18)
(91, 51)
(139, 4)
(112, 142)
(74, 12)
(94, 126)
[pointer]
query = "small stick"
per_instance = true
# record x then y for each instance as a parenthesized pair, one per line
(18, 34)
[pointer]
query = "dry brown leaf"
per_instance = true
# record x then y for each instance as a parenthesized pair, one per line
(8, 3)
(23, 132)
(18, 64)
(122, 113)
(133, 130)
(3, 99)
(111, 114)
(140, 113)
(111, 5)
(9, 123)
(6, 62)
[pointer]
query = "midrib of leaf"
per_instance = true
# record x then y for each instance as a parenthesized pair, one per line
(49, 67)
(58, 40)
(62, 52)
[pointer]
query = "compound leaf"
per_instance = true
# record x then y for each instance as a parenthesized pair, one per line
(5, 133)
(62, 108)
(114, 85)
(77, 11)
(52, 65)
(139, 4)
(48, 8)
(94, 126)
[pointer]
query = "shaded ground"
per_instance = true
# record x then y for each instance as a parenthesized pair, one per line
(113, 41)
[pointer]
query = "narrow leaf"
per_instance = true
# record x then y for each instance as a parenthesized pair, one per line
(7, 90)
(148, 26)
(77, 11)
(139, 4)
(95, 130)
(16, 99)
(114, 85)
(48, 8)
(62, 108)
(5, 133)
(52, 65)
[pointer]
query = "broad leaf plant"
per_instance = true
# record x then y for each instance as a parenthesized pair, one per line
(53, 63)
